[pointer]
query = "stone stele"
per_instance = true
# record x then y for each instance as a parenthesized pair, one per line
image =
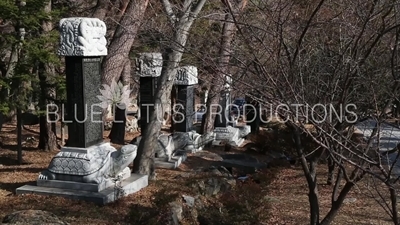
(82, 36)
(149, 64)
(186, 75)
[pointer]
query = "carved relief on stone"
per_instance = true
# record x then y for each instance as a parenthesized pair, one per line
(149, 64)
(96, 164)
(82, 36)
(186, 75)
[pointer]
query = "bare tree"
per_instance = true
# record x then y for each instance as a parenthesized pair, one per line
(300, 57)
(144, 162)
(232, 10)
(117, 65)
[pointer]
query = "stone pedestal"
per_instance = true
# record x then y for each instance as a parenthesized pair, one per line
(186, 78)
(69, 183)
(227, 135)
(128, 186)
(148, 68)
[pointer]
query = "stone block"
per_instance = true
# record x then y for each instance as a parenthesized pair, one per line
(224, 135)
(175, 162)
(82, 36)
(128, 186)
(149, 64)
(79, 185)
(186, 75)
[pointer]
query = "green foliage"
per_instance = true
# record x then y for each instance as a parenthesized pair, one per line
(37, 47)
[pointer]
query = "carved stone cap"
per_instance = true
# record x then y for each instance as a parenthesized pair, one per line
(186, 75)
(149, 64)
(82, 36)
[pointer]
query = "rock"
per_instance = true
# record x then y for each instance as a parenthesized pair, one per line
(219, 180)
(243, 162)
(244, 131)
(349, 200)
(189, 200)
(176, 212)
(33, 217)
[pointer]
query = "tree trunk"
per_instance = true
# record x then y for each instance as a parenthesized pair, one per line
(313, 194)
(337, 204)
(101, 9)
(47, 138)
(117, 134)
(122, 41)
(144, 161)
(19, 136)
(118, 51)
(393, 199)
(225, 51)
(309, 173)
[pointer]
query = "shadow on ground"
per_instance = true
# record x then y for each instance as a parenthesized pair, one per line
(10, 187)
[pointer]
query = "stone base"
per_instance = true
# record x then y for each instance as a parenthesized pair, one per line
(175, 162)
(224, 135)
(236, 143)
(81, 186)
(128, 186)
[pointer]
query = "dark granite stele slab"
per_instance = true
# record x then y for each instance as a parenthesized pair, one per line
(129, 186)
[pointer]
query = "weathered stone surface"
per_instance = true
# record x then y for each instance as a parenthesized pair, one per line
(147, 89)
(33, 217)
(82, 36)
(176, 212)
(186, 75)
(184, 115)
(170, 144)
(83, 111)
(111, 194)
(98, 164)
(173, 163)
(149, 64)
(244, 131)
(189, 200)
(229, 134)
(125, 174)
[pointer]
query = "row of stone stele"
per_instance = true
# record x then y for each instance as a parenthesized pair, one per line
(92, 173)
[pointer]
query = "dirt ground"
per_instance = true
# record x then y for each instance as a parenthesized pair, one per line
(286, 192)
